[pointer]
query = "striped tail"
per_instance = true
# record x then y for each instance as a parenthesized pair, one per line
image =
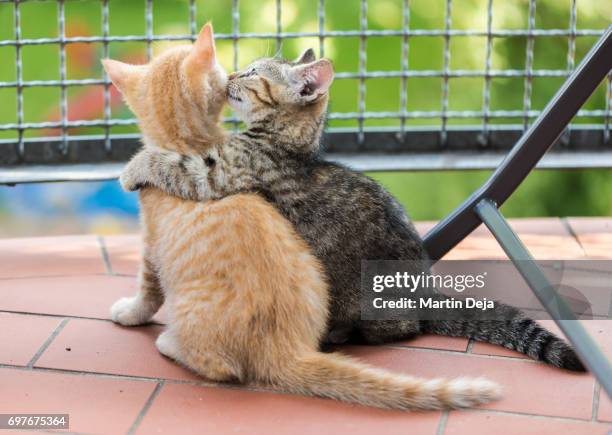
(514, 331)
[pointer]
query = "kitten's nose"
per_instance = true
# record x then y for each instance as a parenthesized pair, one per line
(233, 75)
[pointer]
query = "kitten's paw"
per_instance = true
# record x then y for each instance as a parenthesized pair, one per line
(130, 312)
(134, 175)
(131, 179)
(166, 345)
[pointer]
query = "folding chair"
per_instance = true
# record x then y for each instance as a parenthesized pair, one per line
(483, 205)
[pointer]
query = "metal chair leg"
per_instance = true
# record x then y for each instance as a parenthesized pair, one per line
(563, 316)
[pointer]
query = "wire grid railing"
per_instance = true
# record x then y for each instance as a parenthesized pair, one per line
(486, 134)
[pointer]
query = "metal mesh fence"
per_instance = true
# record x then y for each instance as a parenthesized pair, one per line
(360, 121)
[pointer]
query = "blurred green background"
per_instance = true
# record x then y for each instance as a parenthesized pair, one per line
(426, 195)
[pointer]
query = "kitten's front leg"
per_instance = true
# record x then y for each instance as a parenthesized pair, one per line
(184, 176)
(139, 309)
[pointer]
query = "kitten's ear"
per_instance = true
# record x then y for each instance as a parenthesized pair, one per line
(203, 52)
(306, 57)
(120, 73)
(313, 79)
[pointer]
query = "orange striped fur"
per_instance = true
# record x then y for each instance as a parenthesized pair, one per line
(248, 301)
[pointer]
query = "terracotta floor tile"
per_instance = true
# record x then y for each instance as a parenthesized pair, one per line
(492, 349)
(479, 245)
(436, 342)
(95, 405)
(189, 409)
(26, 432)
(50, 256)
(547, 226)
(595, 235)
(99, 346)
(423, 227)
(21, 336)
(84, 296)
(546, 238)
(103, 347)
(600, 331)
(475, 423)
(530, 388)
(124, 253)
(604, 413)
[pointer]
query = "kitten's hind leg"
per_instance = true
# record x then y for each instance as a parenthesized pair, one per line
(195, 351)
(207, 363)
(215, 368)
(139, 309)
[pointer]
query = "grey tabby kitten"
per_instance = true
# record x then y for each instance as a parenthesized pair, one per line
(343, 215)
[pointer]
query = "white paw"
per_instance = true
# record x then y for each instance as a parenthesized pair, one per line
(135, 173)
(166, 345)
(130, 312)
(130, 180)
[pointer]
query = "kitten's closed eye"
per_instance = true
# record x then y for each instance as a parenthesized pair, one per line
(249, 73)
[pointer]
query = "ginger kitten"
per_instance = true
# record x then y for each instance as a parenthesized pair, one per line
(248, 301)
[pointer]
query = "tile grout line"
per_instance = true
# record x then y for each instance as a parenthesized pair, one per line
(68, 316)
(146, 407)
(569, 229)
(47, 343)
(113, 376)
(596, 391)
(420, 349)
(116, 376)
(532, 416)
(442, 422)
(105, 256)
(464, 353)
(470, 345)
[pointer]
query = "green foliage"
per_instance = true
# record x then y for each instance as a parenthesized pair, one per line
(429, 196)
(432, 195)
